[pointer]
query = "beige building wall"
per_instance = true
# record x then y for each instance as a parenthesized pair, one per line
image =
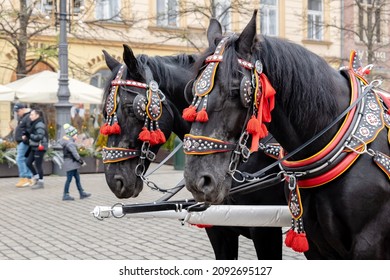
(145, 37)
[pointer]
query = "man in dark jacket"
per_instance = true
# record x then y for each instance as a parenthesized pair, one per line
(22, 129)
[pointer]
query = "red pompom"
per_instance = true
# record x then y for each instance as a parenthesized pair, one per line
(253, 126)
(115, 129)
(189, 114)
(144, 135)
(161, 136)
(104, 129)
(300, 243)
(202, 116)
(290, 237)
(154, 139)
(263, 131)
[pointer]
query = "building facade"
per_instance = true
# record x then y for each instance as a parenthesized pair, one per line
(165, 27)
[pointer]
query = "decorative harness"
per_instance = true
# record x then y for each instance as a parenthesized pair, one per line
(146, 107)
(256, 91)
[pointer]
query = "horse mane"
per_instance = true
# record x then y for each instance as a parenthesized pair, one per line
(305, 81)
(300, 77)
(164, 68)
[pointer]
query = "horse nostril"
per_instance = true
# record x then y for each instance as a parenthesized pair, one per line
(119, 180)
(205, 182)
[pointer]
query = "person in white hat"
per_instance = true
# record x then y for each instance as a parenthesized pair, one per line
(72, 162)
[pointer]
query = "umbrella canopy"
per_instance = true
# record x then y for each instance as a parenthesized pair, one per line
(6, 93)
(43, 87)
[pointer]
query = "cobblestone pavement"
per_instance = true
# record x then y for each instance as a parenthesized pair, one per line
(37, 224)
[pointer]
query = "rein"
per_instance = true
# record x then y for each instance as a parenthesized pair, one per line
(261, 172)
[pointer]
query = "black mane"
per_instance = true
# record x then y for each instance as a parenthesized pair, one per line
(291, 70)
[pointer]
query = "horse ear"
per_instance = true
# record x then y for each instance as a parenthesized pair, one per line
(111, 62)
(247, 36)
(213, 31)
(129, 58)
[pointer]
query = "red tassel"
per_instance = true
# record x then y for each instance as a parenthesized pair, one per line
(104, 129)
(161, 136)
(253, 126)
(300, 243)
(202, 116)
(154, 139)
(290, 238)
(189, 114)
(263, 131)
(144, 135)
(115, 128)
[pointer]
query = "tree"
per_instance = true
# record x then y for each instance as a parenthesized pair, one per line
(22, 21)
(365, 25)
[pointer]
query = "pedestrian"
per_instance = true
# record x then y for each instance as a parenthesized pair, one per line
(72, 162)
(38, 144)
(21, 130)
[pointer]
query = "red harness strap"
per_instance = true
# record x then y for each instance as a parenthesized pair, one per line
(344, 164)
(336, 139)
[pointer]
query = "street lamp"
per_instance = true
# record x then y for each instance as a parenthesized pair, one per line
(63, 106)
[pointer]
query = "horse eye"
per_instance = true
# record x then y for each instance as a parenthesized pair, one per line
(234, 92)
(128, 108)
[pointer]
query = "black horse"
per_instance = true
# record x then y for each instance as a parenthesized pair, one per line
(345, 214)
(172, 73)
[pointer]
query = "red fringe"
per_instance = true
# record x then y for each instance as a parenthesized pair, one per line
(263, 131)
(189, 114)
(299, 243)
(290, 237)
(104, 129)
(144, 135)
(202, 116)
(154, 138)
(253, 126)
(115, 128)
(161, 136)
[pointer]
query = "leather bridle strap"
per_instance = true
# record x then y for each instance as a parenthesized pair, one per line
(115, 154)
(202, 145)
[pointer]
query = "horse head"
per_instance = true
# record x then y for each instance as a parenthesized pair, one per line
(149, 100)
(138, 122)
(220, 107)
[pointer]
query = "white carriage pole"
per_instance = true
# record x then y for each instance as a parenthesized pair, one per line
(218, 215)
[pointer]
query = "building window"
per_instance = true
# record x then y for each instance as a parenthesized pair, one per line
(369, 20)
(167, 13)
(269, 17)
(222, 12)
(108, 10)
(314, 19)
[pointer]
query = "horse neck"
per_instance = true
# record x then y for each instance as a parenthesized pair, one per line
(309, 95)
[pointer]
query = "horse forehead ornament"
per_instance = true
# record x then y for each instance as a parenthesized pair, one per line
(146, 107)
(256, 90)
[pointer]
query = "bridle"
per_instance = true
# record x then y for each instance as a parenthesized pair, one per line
(256, 94)
(147, 106)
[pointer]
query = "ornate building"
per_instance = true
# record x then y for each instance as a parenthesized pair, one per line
(164, 27)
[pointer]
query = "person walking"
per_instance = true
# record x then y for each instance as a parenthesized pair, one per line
(38, 144)
(72, 162)
(21, 129)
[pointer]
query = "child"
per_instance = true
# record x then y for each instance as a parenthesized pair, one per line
(72, 162)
